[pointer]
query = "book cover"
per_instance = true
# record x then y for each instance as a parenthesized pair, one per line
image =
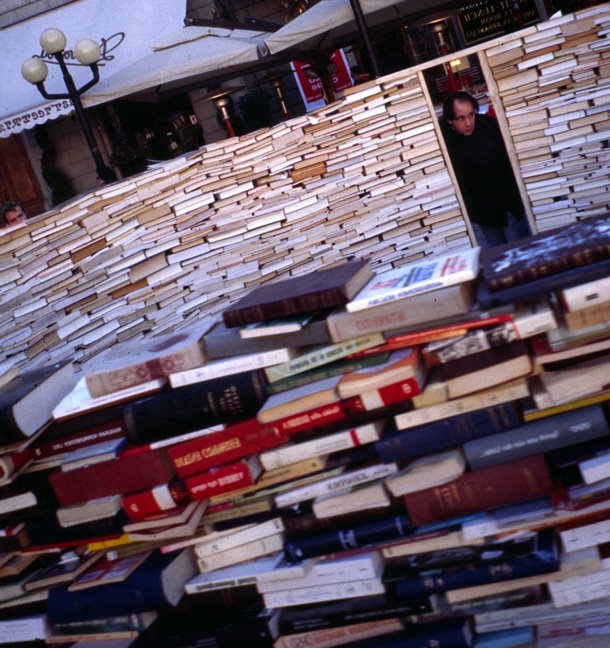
(130, 363)
(232, 365)
(178, 514)
(223, 400)
(183, 523)
(155, 500)
(318, 593)
(322, 355)
(482, 360)
(401, 364)
(68, 567)
(27, 401)
(278, 326)
(56, 440)
(548, 253)
(224, 479)
(419, 276)
(93, 454)
(156, 584)
(585, 295)
(87, 511)
(233, 538)
(481, 489)
(269, 545)
(314, 291)
(106, 571)
(410, 311)
(421, 440)
(234, 442)
(537, 437)
(128, 473)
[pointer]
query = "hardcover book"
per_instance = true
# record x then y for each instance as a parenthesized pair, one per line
(131, 363)
(314, 291)
(106, 571)
(481, 489)
(548, 253)
(224, 479)
(278, 326)
(419, 276)
(156, 584)
(27, 401)
(222, 400)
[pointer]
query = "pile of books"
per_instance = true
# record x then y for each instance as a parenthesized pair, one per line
(405, 458)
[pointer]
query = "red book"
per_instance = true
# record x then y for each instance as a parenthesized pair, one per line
(112, 429)
(125, 474)
(155, 500)
(224, 479)
(234, 442)
(479, 490)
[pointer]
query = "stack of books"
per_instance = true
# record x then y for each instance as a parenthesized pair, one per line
(412, 457)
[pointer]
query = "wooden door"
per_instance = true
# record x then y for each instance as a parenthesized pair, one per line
(17, 178)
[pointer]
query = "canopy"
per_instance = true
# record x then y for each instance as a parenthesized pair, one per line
(125, 31)
(316, 26)
(190, 54)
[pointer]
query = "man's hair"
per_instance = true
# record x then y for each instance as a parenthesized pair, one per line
(460, 95)
(9, 205)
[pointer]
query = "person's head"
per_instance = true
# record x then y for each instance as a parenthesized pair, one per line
(12, 213)
(460, 110)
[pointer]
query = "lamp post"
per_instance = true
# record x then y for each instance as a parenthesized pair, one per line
(87, 52)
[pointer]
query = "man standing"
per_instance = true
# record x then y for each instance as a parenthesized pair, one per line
(483, 171)
(11, 214)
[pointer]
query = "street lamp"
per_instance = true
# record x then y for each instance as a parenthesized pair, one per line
(87, 52)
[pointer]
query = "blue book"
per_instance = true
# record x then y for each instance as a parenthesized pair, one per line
(156, 584)
(537, 437)
(450, 633)
(505, 638)
(504, 562)
(447, 433)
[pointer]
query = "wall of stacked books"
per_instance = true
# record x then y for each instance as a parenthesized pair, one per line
(239, 403)
(365, 176)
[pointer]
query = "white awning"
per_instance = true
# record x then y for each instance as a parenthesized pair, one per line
(330, 15)
(190, 54)
(125, 31)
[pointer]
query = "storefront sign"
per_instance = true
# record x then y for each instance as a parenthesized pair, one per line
(486, 19)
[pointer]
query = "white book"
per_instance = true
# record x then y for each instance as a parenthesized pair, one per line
(289, 454)
(587, 535)
(513, 390)
(333, 484)
(348, 500)
(595, 469)
(285, 570)
(580, 589)
(230, 366)
(588, 294)
(321, 593)
(246, 573)
(417, 277)
(87, 511)
(326, 572)
(28, 628)
(240, 537)
(242, 553)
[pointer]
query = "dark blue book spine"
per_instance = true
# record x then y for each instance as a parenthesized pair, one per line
(544, 559)
(447, 433)
(537, 437)
(341, 540)
(450, 633)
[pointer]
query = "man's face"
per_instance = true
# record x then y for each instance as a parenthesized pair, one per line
(14, 216)
(464, 118)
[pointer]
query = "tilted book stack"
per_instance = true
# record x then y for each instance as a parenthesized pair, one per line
(437, 480)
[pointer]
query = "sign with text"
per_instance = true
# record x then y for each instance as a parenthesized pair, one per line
(483, 20)
(310, 86)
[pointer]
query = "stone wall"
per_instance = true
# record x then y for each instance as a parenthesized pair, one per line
(364, 177)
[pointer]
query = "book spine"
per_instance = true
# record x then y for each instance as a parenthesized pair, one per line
(320, 593)
(224, 400)
(225, 367)
(397, 392)
(438, 581)
(503, 394)
(322, 617)
(321, 356)
(580, 297)
(382, 530)
(238, 538)
(106, 382)
(480, 490)
(11, 463)
(221, 480)
(249, 551)
(230, 444)
(308, 419)
(443, 434)
(154, 501)
(585, 535)
(334, 484)
(122, 475)
(284, 456)
(537, 437)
